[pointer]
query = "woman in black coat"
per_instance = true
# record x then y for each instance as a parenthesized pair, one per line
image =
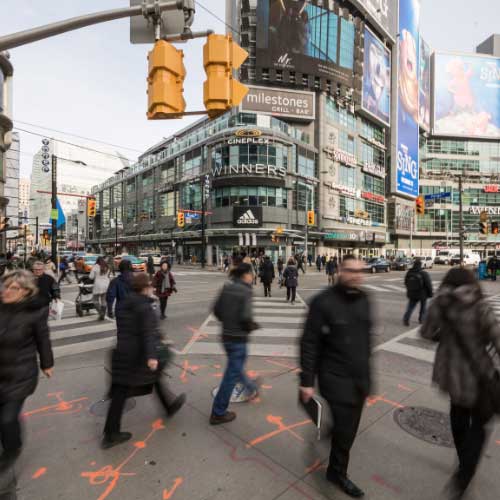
(138, 360)
(291, 279)
(267, 275)
(23, 334)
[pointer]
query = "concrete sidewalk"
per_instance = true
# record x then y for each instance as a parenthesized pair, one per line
(269, 452)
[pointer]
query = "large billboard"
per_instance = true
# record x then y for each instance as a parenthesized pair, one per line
(299, 36)
(407, 177)
(425, 86)
(382, 13)
(376, 96)
(466, 96)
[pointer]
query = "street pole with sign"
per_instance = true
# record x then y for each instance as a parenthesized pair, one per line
(116, 231)
(461, 230)
(77, 234)
(205, 193)
(54, 212)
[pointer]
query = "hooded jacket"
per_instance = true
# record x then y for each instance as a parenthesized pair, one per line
(118, 289)
(291, 276)
(461, 311)
(23, 334)
(425, 290)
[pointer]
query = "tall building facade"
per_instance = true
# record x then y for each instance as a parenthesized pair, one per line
(24, 198)
(11, 190)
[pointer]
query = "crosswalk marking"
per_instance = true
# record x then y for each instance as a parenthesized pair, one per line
(279, 320)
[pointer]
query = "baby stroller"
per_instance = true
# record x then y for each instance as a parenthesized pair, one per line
(84, 301)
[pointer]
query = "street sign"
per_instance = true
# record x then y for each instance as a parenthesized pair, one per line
(143, 31)
(54, 214)
(437, 196)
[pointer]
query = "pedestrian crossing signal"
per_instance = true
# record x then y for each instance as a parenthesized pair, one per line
(180, 219)
(494, 228)
(483, 227)
(420, 205)
(310, 218)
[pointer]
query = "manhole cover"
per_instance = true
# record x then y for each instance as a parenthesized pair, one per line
(100, 409)
(238, 396)
(424, 423)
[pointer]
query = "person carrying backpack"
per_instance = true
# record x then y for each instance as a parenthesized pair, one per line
(418, 289)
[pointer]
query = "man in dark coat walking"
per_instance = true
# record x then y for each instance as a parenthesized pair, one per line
(48, 289)
(267, 275)
(335, 348)
(120, 287)
(418, 289)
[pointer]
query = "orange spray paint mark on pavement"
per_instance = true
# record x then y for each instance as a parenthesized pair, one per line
(61, 407)
(197, 334)
(187, 368)
(109, 476)
(281, 427)
(315, 466)
(282, 364)
(404, 388)
(373, 400)
(167, 494)
(39, 473)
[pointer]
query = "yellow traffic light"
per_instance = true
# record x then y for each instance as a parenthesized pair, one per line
(180, 219)
(221, 91)
(91, 207)
(310, 217)
(420, 205)
(166, 82)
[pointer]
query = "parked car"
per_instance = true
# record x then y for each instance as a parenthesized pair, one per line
(443, 257)
(138, 265)
(157, 258)
(376, 265)
(470, 259)
(427, 262)
(401, 264)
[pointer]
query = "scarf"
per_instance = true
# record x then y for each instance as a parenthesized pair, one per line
(165, 284)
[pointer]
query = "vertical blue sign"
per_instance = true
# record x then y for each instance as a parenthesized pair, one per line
(407, 132)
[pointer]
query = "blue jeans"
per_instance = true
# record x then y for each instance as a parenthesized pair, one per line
(235, 372)
(411, 307)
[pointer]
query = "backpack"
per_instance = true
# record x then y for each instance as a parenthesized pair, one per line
(414, 284)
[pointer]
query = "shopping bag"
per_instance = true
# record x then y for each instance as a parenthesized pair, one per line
(56, 309)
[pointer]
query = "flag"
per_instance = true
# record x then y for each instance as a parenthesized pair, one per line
(61, 218)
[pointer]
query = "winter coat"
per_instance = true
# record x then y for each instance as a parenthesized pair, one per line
(267, 272)
(138, 338)
(291, 277)
(150, 266)
(423, 290)
(336, 345)
(23, 334)
(233, 308)
(460, 311)
(118, 290)
(48, 290)
(101, 281)
(331, 267)
(280, 265)
(157, 282)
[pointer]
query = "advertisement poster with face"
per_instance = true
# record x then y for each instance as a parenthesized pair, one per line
(407, 127)
(425, 86)
(467, 96)
(297, 35)
(376, 98)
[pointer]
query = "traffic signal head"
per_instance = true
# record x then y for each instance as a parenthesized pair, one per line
(221, 91)
(310, 218)
(420, 205)
(483, 227)
(166, 82)
(4, 223)
(91, 207)
(180, 219)
(494, 228)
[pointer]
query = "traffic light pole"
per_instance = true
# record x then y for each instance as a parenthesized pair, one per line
(461, 221)
(116, 231)
(203, 242)
(54, 208)
(77, 234)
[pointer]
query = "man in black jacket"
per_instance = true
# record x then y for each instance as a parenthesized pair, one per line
(336, 348)
(418, 289)
(48, 289)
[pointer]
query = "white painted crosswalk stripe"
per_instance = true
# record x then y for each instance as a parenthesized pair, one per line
(279, 320)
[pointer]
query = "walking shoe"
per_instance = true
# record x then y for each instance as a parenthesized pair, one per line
(176, 405)
(229, 416)
(110, 440)
(406, 323)
(346, 485)
(293, 302)
(8, 459)
(163, 316)
(256, 392)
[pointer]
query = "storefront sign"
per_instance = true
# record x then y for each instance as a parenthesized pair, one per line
(280, 102)
(379, 237)
(342, 236)
(248, 140)
(361, 214)
(374, 169)
(257, 169)
(341, 157)
(344, 189)
(373, 197)
(247, 217)
(356, 221)
(488, 210)
(492, 188)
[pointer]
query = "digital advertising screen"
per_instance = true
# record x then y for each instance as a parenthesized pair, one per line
(383, 13)
(425, 86)
(301, 36)
(466, 96)
(407, 175)
(376, 96)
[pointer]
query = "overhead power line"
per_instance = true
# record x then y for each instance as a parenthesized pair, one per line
(216, 17)
(75, 145)
(77, 136)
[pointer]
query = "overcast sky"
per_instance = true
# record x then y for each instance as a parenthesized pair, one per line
(92, 82)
